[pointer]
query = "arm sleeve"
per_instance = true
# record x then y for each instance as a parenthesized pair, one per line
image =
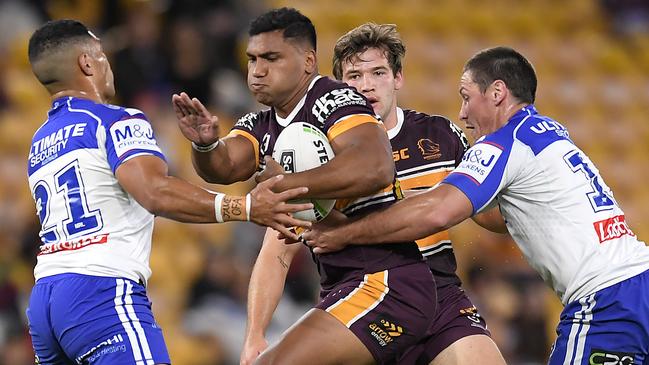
(130, 136)
(482, 173)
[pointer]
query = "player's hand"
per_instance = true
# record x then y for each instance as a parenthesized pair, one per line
(272, 169)
(194, 121)
(323, 237)
(271, 210)
(252, 348)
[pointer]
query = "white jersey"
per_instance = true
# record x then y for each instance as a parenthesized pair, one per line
(557, 207)
(89, 224)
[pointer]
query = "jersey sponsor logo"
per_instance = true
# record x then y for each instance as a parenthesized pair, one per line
(74, 245)
(478, 161)
(429, 149)
(333, 100)
(612, 228)
(460, 134)
(48, 147)
(401, 154)
(607, 357)
(132, 134)
(247, 121)
(549, 125)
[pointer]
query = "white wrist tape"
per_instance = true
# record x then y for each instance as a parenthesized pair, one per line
(218, 202)
(208, 148)
(248, 206)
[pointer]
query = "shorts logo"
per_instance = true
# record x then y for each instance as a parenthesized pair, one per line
(612, 228)
(478, 161)
(108, 346)
(287, 160)
(333, 100)
(603, 357)
(385, 331)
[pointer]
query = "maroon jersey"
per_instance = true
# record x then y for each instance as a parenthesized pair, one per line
(425, 149)
(334, 108)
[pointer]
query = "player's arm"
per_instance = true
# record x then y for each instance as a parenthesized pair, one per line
(363, 165)
(145, 178)
(491, 220)
(265, 291)
(219, 161)
(418, 216)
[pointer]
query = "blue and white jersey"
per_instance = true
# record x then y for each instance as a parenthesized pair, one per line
(557, 207)
(89, 224)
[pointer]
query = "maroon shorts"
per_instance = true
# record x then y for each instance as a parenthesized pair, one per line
(389, 311)
(456, 318)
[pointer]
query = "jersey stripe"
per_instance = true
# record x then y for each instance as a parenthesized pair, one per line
(427, 180)
(251, 138)
(345, 124)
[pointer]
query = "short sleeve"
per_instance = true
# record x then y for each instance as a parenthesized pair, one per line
(341, 109)
(130, 136)
(481, 174)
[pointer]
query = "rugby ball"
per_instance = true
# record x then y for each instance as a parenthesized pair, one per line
(300, 147)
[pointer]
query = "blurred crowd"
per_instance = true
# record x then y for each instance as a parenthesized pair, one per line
(593, 64)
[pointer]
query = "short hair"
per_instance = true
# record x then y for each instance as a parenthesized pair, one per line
(504, 63)
(369, 35)
(293, 24)
(55, 35)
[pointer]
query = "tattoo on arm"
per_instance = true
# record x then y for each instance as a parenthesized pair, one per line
(282, 262)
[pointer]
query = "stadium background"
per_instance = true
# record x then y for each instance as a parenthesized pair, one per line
(592, 59)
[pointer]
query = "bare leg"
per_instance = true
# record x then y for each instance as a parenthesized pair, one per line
(470, 350)
(317, 338)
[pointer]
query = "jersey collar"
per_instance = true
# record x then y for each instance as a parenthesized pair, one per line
(289, 118)
(392, 132)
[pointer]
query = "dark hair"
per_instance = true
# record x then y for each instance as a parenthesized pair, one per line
(290, 20)
(54, 35)
(369, 35)
(504, 63)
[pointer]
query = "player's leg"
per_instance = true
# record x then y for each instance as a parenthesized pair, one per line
(317, 338)
(608, 327)
(384, 311)
(459, 334)
(46, 347)
(474, 349)
(103, 320)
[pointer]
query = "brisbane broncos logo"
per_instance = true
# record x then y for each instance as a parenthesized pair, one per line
(429, 150)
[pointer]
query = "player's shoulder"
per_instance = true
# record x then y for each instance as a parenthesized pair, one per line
(416, 117)
(535, 130)
(435, 124)
(326, 96)
(251, 120)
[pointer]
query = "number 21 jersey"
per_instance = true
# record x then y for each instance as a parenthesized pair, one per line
(89, 224)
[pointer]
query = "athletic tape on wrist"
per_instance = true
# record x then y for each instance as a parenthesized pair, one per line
(248, 205)
(218, 202)
(208, 148)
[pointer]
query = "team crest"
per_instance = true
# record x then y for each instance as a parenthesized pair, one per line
(429, 149)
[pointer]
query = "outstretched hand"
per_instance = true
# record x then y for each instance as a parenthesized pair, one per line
(194, 120)
(270, 209)
(323, 238)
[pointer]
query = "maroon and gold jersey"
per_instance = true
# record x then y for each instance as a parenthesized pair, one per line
(425, 149)
(333, 108)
